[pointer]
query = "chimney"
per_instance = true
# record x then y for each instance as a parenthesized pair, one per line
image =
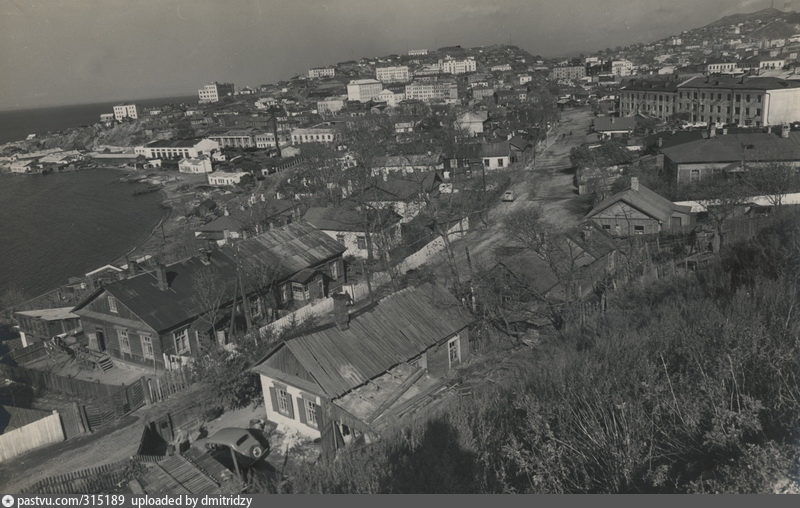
(161, 276)
(660, 142)
(586, 233)
(131, 267)
(785, 130)
(635, 183)
(340, 312)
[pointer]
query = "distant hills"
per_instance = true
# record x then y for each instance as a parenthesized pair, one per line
(763, 14)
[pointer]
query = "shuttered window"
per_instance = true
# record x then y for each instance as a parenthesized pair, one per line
(454, 351)
(282, 401)
(124, 340)
(147, 346)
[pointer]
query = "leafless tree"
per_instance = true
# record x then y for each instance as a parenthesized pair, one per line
(210, 291)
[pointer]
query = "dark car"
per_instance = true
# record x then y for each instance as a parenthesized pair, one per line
(247, 442)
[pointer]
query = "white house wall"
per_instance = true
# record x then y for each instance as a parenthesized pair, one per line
(285, 423)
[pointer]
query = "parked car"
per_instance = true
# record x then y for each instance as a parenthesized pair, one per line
(247, 442)
(508, 196)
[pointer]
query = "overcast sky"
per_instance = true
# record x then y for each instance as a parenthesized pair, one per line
(78, 51)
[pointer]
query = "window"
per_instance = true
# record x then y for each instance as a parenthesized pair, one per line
(606, 227)
(694, 175)
(500, 163)
(311, 412)
(284, 402)
(335, 270)
(147, 346)
(758, 99)
(453, 351)
(638, 230)
(182, 341)
(486, 162)
(112, 304)
(124, 341)
(362, 242)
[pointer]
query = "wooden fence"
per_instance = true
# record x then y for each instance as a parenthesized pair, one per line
(99, 479)
(36, 434)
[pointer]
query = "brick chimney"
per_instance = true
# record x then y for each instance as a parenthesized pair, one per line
(161, 276)
(340, 312)
(635, 184)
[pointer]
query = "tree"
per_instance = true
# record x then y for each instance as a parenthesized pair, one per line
(773, 180)
(722, 196)
(210, 291)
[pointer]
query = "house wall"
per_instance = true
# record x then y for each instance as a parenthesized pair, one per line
(291, 422)
(782, 106)
(350, 240)
(40, 433)
(437, 360)
(621, 219)
(496, 162)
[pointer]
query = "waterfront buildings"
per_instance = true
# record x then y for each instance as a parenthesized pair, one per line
(221, 179)
(363, 90)
(201, 164)
(395, 74)
(213, 92)
(321, 72)
(177, 148)
(123, 111)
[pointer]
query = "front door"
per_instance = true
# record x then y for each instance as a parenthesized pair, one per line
(101, 339)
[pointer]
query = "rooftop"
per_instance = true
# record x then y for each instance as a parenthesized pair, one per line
(56, 314)
(758, 146)
(743, 83)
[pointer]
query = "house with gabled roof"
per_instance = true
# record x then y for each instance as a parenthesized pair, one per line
(356, 229)
(355, 378)
(405, 195)
(638, 210)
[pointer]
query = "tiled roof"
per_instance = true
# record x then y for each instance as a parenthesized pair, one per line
(395, 330)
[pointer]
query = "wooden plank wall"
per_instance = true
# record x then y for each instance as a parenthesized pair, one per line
(34, 435)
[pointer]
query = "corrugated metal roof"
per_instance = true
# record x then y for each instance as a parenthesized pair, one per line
(287, 250)
(398, 328)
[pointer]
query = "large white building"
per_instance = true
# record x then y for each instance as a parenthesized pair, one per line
(363, 90)
(453, 66)
(417, 52)
(318, 134)
(122, 111)
(427, 91)
(201, 164)
(221, 179)
(213, 92)
(321, 72)
(621, 67)
(177, 148)
(397, 74)
(390, 98)
(330, 105)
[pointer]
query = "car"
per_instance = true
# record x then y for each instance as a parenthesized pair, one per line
(247, 442)
(508, 196)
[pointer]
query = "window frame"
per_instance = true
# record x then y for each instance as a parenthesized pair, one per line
(147, 345)
(282, 396)
(310, 409)
(124, 340)
(112, 304)
(177, 336)
(455, 341)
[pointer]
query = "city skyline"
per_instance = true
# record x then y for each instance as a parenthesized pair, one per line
(91, 51)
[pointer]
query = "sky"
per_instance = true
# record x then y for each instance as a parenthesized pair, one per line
(55, 52)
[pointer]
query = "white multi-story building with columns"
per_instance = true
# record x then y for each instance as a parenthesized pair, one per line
(453, 66)
(363, 90)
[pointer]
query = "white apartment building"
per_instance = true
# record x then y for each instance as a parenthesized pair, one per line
(220, 179)
(723, 68)
(453, 66)
(390, 98)
(321, 72)
(427, 91)
(123, 111)
(201, 164)
(213, 92)
(330, 105)
(316, 134)
(621, 67)
(177, 148)
(267, 139)
(106, 117)
(363, 90)
(500, 68)
(397, 74)
(417, 52)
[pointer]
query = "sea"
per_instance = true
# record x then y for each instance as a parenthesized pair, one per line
(60, 225)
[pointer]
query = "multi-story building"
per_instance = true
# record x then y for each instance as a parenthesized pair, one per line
(453, 66)
(267, 139)
(723, 68)
(223, 179)
(326, 134)
(330, 105)
(123, 111)
(396, 74)
(741, 101)
(428, 91)
(363, 90)
(417, 52)
(213, 92)
(621, 67)
(236, 138)
(500, 68)
(321, 72)
(391, 98)
(177, 148)
(568, 73)
(648, 97)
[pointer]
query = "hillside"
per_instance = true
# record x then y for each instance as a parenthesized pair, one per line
(735, 19)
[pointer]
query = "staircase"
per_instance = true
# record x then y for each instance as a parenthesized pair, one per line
(93, 359)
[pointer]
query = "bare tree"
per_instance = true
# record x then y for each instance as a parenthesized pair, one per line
(773, 180)
(210, 291)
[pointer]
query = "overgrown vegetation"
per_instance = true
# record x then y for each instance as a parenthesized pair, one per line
(691, 384)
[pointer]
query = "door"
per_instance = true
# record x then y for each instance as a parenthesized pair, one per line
(101, 339)
(675, 223)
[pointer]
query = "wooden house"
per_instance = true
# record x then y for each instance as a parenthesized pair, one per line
(355, 378)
